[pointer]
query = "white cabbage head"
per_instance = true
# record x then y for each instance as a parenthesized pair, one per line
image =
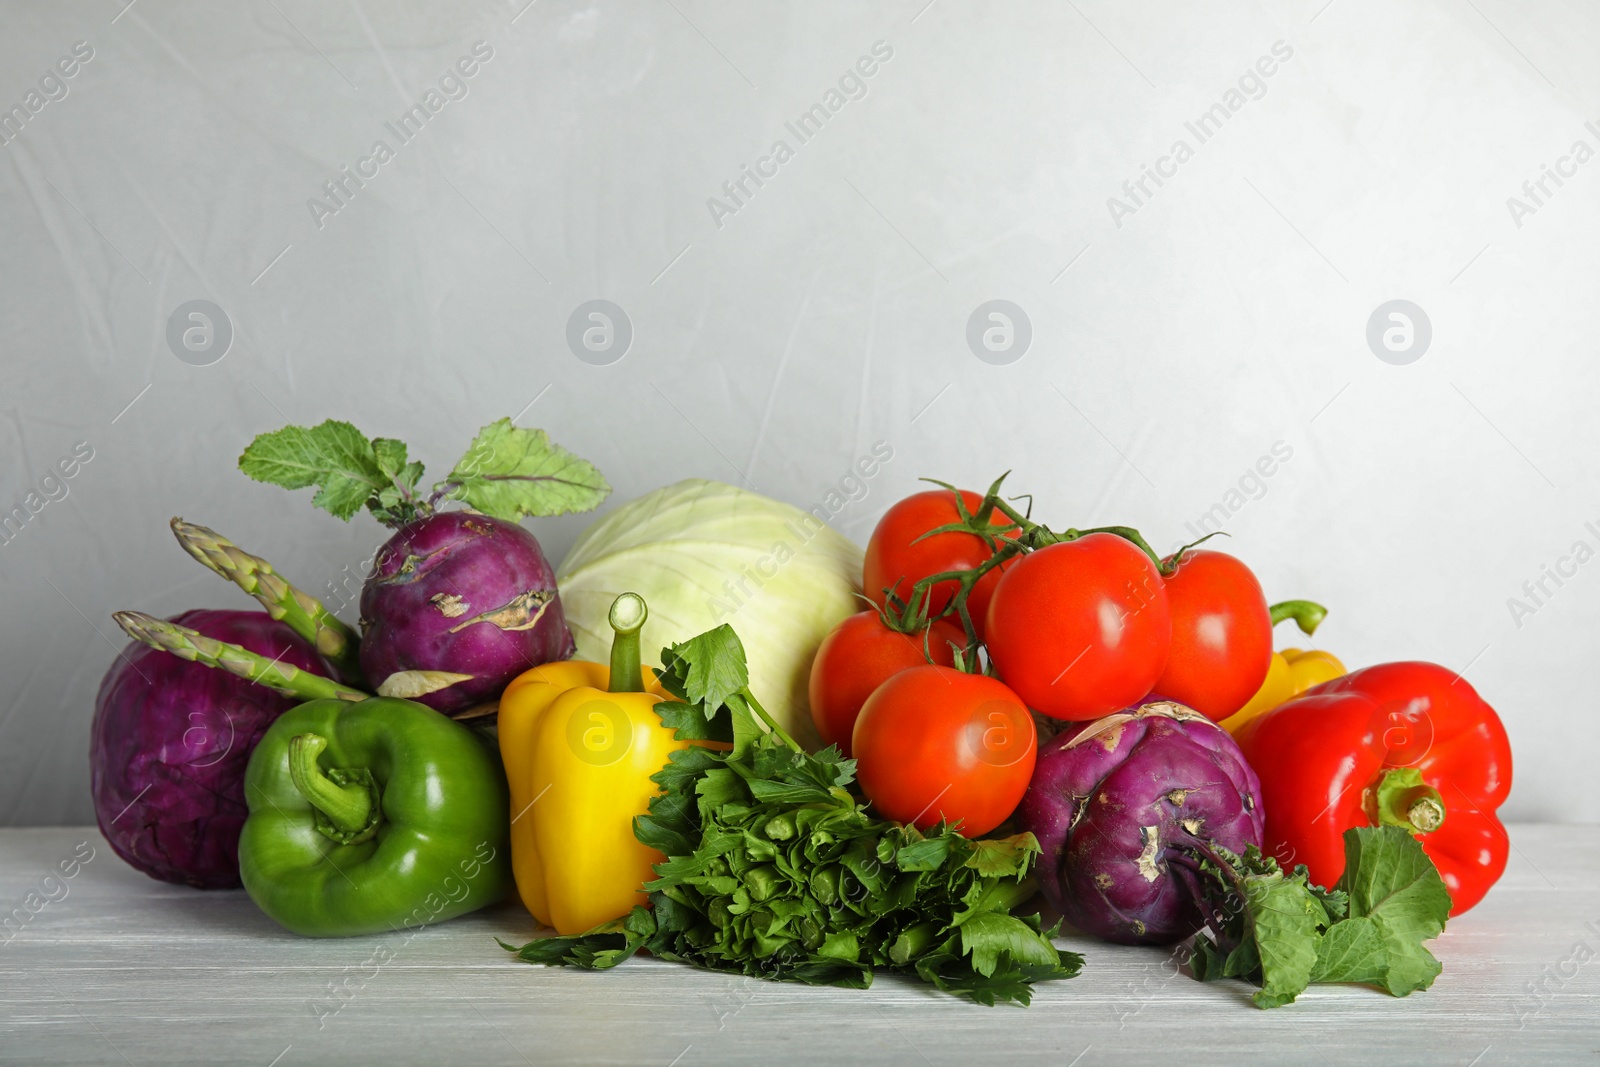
(703, 553)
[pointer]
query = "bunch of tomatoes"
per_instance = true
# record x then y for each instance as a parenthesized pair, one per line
(981, 615)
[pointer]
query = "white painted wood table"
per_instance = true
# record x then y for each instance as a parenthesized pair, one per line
(119, 968)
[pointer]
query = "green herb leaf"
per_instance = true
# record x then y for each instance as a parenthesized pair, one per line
(707, 669)
(509, 472)
(688, 723)
(995, 936)
(775, 870)
(1002, 856)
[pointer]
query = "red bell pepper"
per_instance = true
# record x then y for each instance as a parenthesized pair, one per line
(1409, 744)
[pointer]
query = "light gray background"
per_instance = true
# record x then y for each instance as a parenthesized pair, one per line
(1168, 354)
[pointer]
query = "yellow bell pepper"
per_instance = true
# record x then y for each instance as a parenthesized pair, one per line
(1292, 671)
(579, 752)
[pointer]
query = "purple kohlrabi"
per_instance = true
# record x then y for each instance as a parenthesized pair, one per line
(456, 606)
(1120, 808)
(169, 744)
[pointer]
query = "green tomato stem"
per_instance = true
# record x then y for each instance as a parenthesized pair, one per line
(911, 615)
(628, 613)
(346, 801)
(1307, 614)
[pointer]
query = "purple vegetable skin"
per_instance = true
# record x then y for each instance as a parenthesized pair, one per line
(462, 593)
(169, 744)
(1118, 807)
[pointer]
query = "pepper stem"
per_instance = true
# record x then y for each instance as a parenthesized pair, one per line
(346, 801)
(1402, 798)
(1307, 615)
(628, 613)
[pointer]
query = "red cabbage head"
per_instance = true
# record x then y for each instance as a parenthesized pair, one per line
(169, 744)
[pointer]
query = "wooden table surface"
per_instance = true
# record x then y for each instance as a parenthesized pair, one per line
(118, 968)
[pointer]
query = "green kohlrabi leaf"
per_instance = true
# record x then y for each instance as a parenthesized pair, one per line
(1352, 951)
(1283, 933)
(1393, 886)
(1286, 920)
(334, 456)
(509, 472)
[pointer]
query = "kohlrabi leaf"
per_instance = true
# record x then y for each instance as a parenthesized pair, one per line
(1286, 920)
(1286, 933)
(334, 456)
(509, 472)
(349, 471)
(1393, 886)
(1352, 951)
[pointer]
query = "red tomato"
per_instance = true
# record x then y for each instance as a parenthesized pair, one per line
(894, 562)
(1221, 635)
(1081, 629)
(934, 743)
(856, 657)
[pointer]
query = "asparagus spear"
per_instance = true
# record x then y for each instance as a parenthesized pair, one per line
(284, 678)
(196, 647)
(302, 612)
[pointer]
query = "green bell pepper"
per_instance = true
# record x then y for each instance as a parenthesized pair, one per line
(373, 816)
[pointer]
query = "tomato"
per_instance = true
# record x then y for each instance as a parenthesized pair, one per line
(1221, 635)
(934, 743)
(1081, 628)
(892, 560)
(856, 657)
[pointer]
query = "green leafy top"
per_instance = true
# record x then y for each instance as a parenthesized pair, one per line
(508, 472)
(1283, 933)
(774, 870)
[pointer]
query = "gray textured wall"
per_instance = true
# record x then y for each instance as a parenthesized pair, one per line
(1178, 335)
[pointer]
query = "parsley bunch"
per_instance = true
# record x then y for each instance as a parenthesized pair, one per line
(775, 870)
